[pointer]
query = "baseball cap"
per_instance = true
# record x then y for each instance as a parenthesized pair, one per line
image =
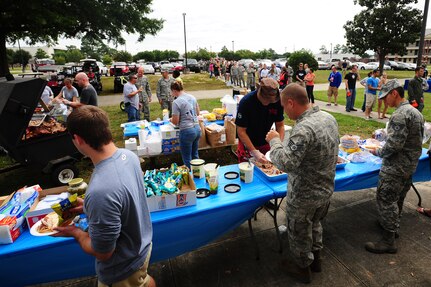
(268, 90)
(388, 87)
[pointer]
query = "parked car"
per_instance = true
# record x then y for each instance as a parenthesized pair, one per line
(403, 66)
(102, 68)
(280, 63)
(148, 69)
(265, 61)
(192, 65)
(323, 65)
(363, 66)
(121, 67)
(412, 66)
(178, 67)
(392, 64)
(168, 66)
(155, 65)
(376, 66)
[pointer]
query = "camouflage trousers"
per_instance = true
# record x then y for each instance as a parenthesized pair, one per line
(304, 230)
(166, 104)
(391, 192)
(146, 108)
(241, 81)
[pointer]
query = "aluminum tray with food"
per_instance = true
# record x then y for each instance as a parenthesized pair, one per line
(36, 120)
(269, 171)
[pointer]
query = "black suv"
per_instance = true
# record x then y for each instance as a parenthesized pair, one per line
(192, 65)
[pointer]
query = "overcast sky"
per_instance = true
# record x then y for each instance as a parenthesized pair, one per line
(255, 25)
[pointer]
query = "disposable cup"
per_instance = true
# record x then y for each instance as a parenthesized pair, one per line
(246, 172)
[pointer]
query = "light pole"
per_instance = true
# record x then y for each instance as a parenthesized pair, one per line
(233, 47)
(424, 26)
(185, 39)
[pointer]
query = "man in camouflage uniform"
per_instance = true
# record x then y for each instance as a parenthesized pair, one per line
(415, 89)
(164, 91)
(400, 158)
(145, 95)
(312, 149)
(241, 71)
(251, 77)
(234, 74)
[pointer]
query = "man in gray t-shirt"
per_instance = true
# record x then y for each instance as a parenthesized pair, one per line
(120, 230)
(131, 99)
(88, 93)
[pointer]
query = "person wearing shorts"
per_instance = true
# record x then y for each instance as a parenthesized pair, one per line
(372, 87)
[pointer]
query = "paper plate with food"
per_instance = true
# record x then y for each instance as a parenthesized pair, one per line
(46, 225)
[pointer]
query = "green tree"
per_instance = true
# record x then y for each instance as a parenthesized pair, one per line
(102, 20)
(10, 53)
(384, 26)
(74, 55)
(323, 50)
(41, 54)
(337, 49)
(107, 60)
(21, 57)
(59, 60)
(123, 56)
(148, 56)
(225, 53)
(302, 56)
(244, 54)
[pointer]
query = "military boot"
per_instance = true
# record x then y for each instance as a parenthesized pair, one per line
(316, 265)
(303, 275)
(384, 245)
(397, 235)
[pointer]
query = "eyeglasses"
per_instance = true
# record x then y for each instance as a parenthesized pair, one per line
(135, 78)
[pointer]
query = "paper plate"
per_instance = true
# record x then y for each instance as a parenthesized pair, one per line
(34, 232)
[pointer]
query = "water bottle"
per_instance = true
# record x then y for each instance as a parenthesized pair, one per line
(165, 115)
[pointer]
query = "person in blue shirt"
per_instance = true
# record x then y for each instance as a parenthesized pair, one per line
(335, 80)
(372, 88)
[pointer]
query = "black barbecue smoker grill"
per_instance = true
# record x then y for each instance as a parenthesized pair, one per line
(52, 153)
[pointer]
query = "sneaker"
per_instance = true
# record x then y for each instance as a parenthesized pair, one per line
(354, 110)
(367, 118)
(328, 104)
(335, 104)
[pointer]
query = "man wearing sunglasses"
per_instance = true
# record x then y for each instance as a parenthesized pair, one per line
(257, 112)
(400, 157)
(131, 98)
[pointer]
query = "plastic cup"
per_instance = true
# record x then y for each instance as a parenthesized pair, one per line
(197, 166)
(246, 172)
(213, 181)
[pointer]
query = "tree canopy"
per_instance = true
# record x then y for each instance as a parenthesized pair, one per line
(384, 26)
(47, 20)
(40, 54)
(303, 56)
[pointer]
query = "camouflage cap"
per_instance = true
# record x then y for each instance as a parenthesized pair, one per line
(388, 87)
(164, 70)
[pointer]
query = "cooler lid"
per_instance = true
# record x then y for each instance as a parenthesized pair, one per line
(18, 99)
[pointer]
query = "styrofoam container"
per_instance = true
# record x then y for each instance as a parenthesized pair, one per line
(131, 144)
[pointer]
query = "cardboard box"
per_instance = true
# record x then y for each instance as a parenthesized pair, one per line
(216, 138)
(169, 132)
(172, 141)
(203, 139)
(170, 148)
(33, 215)
(186, 197)
(8, 234)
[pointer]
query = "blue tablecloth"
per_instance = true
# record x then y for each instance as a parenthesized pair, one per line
(45, 259)
(177, 231)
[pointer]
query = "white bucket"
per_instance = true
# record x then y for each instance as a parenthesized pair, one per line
(197, 166)
(246, 172)
(230, 105)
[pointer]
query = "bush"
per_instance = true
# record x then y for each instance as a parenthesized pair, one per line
(302, 56)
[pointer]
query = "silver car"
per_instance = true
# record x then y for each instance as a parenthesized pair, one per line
(148, 69)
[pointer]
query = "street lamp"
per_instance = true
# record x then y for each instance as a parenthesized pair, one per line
(185, 39)
(233, 46)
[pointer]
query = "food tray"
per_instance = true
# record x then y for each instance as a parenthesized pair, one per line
(278, 177)
(36, 120)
